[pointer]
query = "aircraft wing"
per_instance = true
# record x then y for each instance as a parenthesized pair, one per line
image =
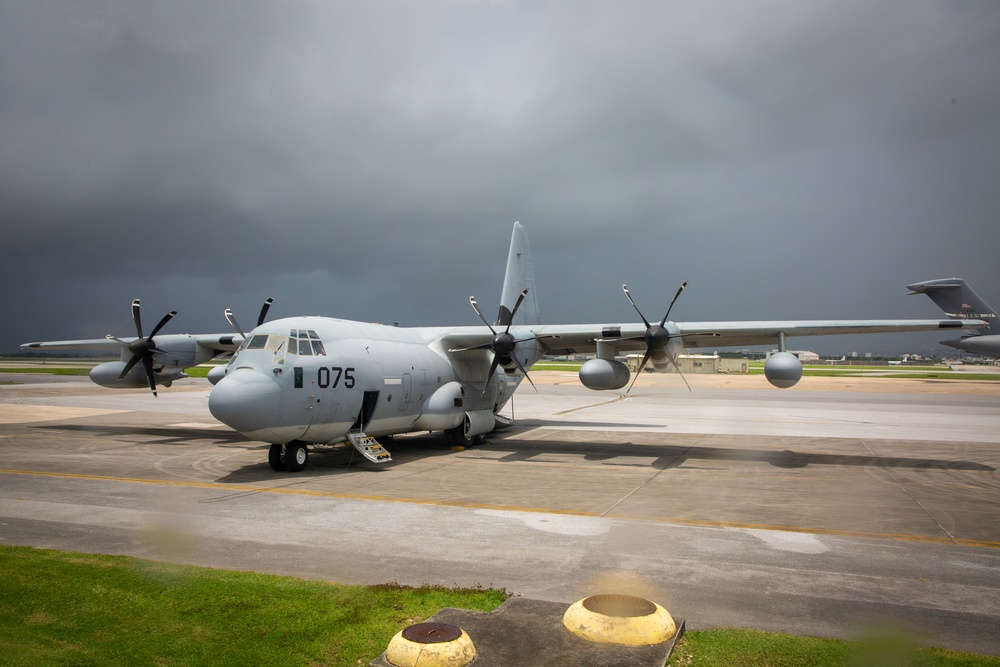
(87, 344)
(216, 342)
(582, 338)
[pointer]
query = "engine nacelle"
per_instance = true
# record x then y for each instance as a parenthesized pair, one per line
(107, 374)
(479, 422)
(217, 373)
(604, 374)
(783, 370)
(444, 409)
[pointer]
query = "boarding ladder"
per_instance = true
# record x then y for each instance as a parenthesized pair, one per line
(369, 447)
(503, 421)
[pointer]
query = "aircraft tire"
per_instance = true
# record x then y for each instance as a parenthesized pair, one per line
(296, 456)
(459, 439)
(276, 459)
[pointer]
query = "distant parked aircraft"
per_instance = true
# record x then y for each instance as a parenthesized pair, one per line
(957, 299)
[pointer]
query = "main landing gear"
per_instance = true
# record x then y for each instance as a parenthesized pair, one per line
(292, 457)
(460, 439)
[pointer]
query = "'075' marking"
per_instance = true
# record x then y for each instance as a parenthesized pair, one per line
(325, 375)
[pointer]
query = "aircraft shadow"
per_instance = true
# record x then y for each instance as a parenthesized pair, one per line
(416, 447)
(163, 435)
(413, 448)
(668, 455)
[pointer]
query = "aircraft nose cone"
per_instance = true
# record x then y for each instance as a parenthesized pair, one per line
(246, 401)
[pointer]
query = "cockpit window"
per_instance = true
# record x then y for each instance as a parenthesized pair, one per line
(273, 343)
(305, 343)
(257, 342)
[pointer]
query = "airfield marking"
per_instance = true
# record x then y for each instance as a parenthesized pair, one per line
(618, 397)
(705, 523)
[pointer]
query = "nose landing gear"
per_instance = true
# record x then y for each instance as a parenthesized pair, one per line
(292, 457)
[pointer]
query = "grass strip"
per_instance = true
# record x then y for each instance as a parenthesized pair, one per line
(48, 370)
(59, 608)
(752, 648)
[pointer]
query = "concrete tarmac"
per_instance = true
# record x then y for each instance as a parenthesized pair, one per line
(835, 508)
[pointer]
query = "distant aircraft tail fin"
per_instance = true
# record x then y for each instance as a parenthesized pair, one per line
(520, 275)
(957, 299)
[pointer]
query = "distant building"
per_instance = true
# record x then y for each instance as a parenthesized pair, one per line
(804, 356)
(693, 364)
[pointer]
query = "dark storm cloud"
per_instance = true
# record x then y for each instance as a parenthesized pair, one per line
(367, 160)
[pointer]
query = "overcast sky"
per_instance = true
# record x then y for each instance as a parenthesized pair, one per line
(366, 160)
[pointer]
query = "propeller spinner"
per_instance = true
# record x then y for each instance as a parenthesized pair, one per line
(143, 348)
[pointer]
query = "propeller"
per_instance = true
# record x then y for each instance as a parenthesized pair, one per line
(656, 336)
(143, 348)
(260, 318)
(503, 342)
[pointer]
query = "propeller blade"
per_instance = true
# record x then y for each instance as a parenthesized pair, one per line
(484, 346)
(233, 323)
(517, 304)
(525, 340)
(116, 339)
(157, 350)
(131, 363)
(678, 368)
(642, 364)
(475, 307)
(263, 311)
(520, 367)
(493, 369)
(156, 329)
(147, 363)
(628, 296)
(136, 318)
(670, 307)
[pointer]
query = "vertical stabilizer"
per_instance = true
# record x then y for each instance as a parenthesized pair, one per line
(520, 275)
(957, 299)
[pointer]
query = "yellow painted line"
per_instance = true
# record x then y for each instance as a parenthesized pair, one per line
(704, 523)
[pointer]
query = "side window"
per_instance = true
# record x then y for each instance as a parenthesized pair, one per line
(317, 344)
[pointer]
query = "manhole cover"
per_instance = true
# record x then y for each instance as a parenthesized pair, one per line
(432, 633)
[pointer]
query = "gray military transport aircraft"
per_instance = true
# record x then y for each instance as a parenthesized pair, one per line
(957, 299)
(304, 382)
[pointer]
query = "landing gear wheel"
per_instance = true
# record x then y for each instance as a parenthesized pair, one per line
(296, 456)
(460, 439)
(276, 458)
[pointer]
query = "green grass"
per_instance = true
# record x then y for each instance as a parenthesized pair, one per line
(899, 372)
(48, 370)
(751, 648)
(573, 366)
(61, 608)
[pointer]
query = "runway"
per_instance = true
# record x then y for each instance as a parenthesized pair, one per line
(822, 510)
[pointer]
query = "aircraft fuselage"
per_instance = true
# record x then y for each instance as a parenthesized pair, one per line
(313, 379)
